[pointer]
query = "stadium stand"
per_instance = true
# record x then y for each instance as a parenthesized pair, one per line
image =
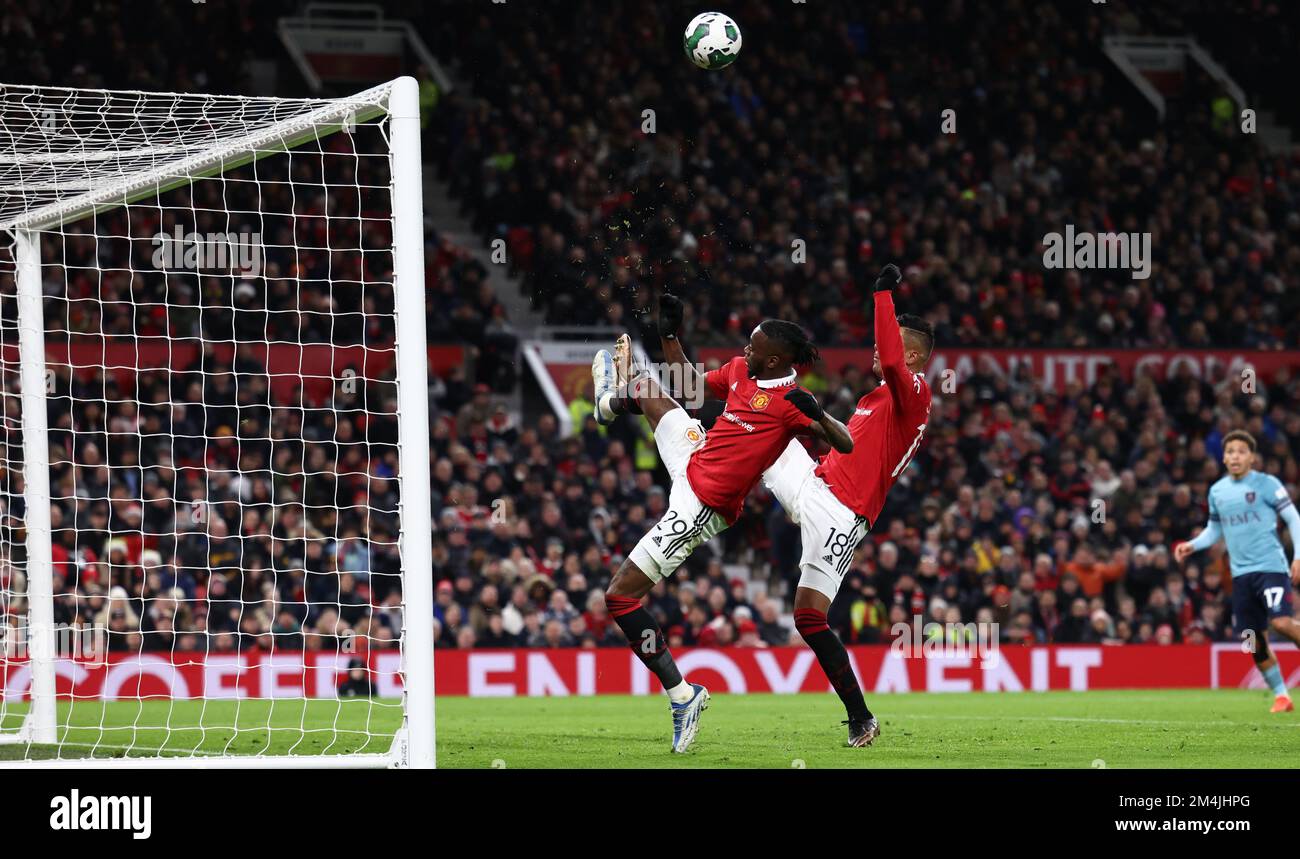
(992, 520)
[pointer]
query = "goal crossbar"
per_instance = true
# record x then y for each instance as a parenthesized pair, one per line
(321, 118)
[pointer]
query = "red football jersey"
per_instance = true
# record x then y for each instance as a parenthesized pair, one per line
(886, 426)
(747, 438)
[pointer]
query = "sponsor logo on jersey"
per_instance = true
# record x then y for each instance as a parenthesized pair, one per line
(747, 427)
(760, 400)
(862, 412)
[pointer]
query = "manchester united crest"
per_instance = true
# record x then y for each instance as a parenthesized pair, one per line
(693, 435)
(760, 401)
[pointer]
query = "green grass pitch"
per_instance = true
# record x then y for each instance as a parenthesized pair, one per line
(1156, 729)
(1226, 728)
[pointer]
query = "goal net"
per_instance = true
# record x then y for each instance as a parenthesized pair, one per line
(214, 488)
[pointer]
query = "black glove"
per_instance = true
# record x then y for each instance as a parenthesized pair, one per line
(806, 403)
(889, 278)
(670, 316)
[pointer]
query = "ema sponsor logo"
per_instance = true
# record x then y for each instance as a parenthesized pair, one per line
(1098, 250)
(131, 813)
(927, 640)
(1246, 517)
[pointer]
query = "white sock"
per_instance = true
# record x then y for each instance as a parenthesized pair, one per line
(681, 693)
(602, 406)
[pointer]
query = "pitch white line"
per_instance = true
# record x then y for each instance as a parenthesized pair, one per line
(1204, 723)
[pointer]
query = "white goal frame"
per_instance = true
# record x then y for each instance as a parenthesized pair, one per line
(413, 744)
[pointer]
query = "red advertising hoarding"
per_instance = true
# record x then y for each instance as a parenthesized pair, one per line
(563, 672)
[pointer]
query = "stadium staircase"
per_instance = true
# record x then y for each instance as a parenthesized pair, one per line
(1156, 66)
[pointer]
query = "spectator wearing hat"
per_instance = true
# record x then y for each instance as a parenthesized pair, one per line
(676, 636)
(1100, 628)
(717, 633)
(539, 589)
(739, 596)
(747, 635)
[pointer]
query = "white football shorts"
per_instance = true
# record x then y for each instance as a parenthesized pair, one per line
(687, 523)
(829, 531)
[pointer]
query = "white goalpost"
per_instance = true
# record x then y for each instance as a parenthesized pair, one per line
(215, 532)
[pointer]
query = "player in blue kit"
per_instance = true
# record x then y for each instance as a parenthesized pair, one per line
(1244, 508)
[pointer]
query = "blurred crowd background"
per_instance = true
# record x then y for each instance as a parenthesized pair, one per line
(199, 508)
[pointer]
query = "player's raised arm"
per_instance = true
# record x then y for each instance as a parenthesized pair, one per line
(901, 380)
(670, 323)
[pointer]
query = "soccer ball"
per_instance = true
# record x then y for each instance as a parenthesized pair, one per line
(712, 40)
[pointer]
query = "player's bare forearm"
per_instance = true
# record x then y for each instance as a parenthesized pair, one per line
(834, 433)
(675, 354)
(671, 313)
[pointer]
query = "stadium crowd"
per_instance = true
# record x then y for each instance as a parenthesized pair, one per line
(741, 168)
(1051, 514)
(200, 507)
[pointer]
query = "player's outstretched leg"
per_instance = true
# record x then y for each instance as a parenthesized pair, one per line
(623, 388)
(810, 609)
(610, 375)
(688, 700)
